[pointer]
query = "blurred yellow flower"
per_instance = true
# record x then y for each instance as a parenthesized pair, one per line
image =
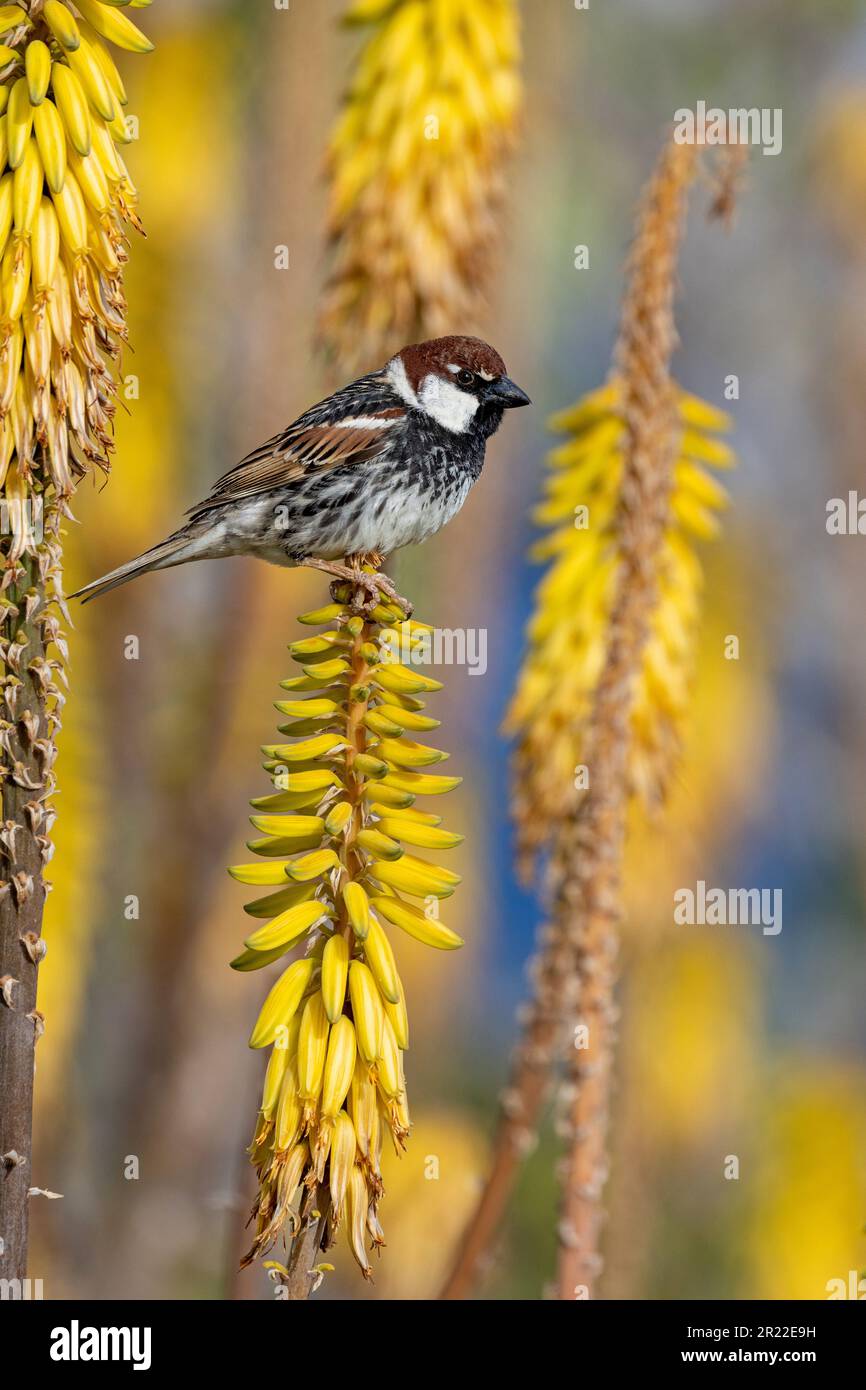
(569, 631)
(808, 1194)
(416, 166)
(691, 1038)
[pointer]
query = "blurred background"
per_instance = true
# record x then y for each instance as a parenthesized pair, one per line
(732, 1043)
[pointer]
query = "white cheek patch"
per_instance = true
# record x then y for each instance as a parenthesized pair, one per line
(399, 381)
(447, 404)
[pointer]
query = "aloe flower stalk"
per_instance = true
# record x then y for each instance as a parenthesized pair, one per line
(66, 203)
(599, 711)
(343, 848)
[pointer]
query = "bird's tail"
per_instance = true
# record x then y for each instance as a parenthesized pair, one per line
(175, 550)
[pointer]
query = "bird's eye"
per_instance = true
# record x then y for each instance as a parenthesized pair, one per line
(465, 377)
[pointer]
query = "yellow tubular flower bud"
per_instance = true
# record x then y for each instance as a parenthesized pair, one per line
(11, 16)
(416, 878)
(339, 1066)
(277, 1063)
(338, 818)
(37, 66)
(282, 1002)
(51, 139)
(89, 73)
(414, 833)
(312, 1047)
(380, 958)
(426, 929)
(274, 903)
(357, 906)
(15, 279)
(335, 970)
(399, 1017)
(46, 248)
(72, 105)
(367, 1010)
(388, 1066)
(106, 152)
(259, 875)
(62, 24)
(109, 69)
(286, 929)
(27, 190)
(311, 866)
(374, 842)
(72, 215)
(19, 122)
(115, 26)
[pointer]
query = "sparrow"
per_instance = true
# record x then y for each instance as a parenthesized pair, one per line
(384, 462)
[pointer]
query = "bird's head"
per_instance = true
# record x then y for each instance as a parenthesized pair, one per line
(461, 383)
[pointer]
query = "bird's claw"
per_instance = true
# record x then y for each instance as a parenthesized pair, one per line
(369, 591)
(386, 588)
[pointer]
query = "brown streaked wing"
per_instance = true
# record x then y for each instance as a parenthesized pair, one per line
(293, 454)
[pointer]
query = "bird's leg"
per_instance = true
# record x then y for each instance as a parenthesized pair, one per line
(375, 586)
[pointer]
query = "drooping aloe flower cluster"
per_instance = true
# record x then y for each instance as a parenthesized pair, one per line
(340, 842)
(569, 631)
(417, 165)
(66, 200)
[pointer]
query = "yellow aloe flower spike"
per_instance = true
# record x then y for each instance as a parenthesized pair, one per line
(416, 166)
(339, 860)
(567, 633)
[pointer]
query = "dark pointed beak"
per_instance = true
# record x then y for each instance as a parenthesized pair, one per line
(507, 393)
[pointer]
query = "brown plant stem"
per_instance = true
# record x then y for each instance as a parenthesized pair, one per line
(28, 744)
(577, 962)
(593, 847)
(302, 1277)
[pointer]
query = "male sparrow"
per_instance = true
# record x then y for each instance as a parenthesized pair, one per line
(384, 462)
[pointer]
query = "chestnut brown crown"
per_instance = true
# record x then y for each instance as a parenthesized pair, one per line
(438, 354)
